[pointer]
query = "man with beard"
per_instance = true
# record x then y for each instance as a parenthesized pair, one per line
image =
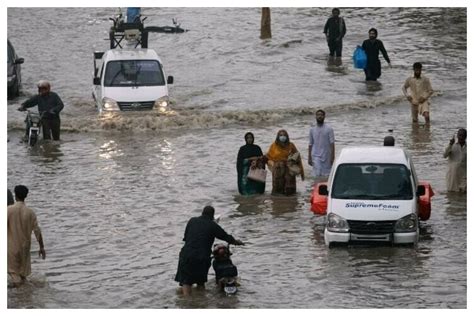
(420, 92)
(456, 152)
(373, 47)
(335, 29)
(321, 149)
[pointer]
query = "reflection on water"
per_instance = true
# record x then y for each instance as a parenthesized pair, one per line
(281, 206)
(277, 205)
(456, 205)
(373, 86)
(109, 150)
(47, 149)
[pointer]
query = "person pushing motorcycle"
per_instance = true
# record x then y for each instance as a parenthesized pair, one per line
(195, 256)
(49, 105)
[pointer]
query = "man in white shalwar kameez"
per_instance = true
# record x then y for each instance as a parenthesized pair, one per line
(321, 146)
(21, 223)
(420, 92)
(457, 162)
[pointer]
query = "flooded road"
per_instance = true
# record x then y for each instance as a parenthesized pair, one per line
(113, 197)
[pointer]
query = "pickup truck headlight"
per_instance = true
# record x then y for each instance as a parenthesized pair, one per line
(110, 105)
(337, 224)
(162, 104)
(407, 224)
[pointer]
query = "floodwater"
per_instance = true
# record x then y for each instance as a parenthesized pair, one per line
(114, 195)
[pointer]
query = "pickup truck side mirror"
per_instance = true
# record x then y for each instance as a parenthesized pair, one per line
(97, 81)
(19, 61)
(420, 190)
(323, 190)
(170, 80)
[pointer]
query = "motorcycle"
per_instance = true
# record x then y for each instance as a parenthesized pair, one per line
(33, 127)
(225, 270)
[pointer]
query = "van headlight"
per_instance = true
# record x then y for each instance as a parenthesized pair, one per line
(110, 105)
(162, 103)
(337, 224)
(407, 224)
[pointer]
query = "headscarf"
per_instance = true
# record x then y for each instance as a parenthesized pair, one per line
(247, 151)
(279, 151)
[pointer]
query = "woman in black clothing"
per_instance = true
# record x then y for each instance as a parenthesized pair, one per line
(249, 154)
(372, 47)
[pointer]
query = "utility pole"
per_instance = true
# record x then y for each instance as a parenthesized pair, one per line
(266, 27)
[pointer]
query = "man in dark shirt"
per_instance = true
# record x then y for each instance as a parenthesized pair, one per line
(195, 256)
(373, 47)
(335, 29)
(49, 105)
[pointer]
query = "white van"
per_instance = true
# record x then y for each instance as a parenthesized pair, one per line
(372, 195)
(130, 80)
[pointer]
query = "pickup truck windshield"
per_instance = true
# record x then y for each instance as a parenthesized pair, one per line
(127, 73)
(372, 182)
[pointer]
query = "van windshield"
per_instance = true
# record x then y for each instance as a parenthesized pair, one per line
(126, 73)
(372, 182)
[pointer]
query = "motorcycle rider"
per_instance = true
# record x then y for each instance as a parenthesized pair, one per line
(49, 105)
(195, 256)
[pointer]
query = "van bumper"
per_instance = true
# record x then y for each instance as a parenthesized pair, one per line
(405, 238)
(396, 238)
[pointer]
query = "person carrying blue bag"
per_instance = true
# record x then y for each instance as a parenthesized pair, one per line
(372, 48)
(360, 58)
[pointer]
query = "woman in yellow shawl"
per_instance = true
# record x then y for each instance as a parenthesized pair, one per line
(284, 170)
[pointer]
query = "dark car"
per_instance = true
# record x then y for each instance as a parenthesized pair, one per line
(13, 71)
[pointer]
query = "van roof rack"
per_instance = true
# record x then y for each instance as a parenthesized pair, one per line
(135, 33)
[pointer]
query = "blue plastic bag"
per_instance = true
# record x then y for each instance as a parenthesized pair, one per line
(360, 58)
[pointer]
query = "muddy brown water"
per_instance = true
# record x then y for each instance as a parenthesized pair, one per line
(114, 195)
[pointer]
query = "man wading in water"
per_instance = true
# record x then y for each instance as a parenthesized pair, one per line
(335, 29)
(195, 256)
(420, 92)
(21, 223)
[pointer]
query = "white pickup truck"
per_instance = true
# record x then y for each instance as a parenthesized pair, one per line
(130, 80)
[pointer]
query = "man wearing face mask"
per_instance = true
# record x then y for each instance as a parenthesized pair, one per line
(321, 148)
(49, 105)
(420, 92)
(373, 47)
